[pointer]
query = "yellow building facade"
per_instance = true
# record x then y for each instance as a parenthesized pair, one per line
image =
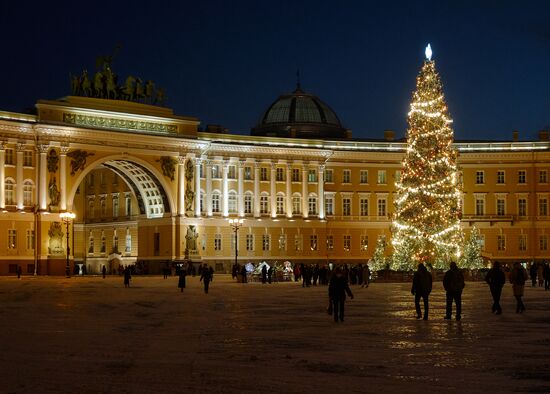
(149, 189)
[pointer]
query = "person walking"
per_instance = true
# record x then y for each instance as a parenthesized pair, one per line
(533, 274)
(540, 274)
(243, 274)
(337, 289)
(127, 277)
(19, 270)
(207, 275)
(104, 271)
(518, 276)
(366, 275)
(453, 282)
(546, 275)
(269, 274)
(421, 288)
(181, 280)
(495, 279)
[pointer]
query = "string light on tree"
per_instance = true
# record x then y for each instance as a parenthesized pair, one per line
(426, 226)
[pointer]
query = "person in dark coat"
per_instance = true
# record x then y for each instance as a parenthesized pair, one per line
(337, 289)
(518, 276)
(495, 279)
(243, 273)
(421, 288)
(127, 277)
(104, 271)
(453, 282)
(264, 274)
(533, 274)
(269, 274)
(546, 275)
(19, 270)
(181, 280)
(207, 275)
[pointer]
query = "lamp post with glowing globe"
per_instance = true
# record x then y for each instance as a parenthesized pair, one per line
(67, 217)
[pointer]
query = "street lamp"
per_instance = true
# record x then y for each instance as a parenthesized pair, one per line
(67, 217)
(235, 226)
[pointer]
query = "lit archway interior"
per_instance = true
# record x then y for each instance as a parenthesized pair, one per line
(151, 196)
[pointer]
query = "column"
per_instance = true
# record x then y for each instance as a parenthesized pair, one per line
(288, 190)
(43, 186)
(181, 185)
(273, 190)
(240, 196)
(20, 179)
(2, 175)
(321, 189)
(63, 178)
(256, 189)
(225, 191)
(208, 196)
(304, 192)
(198, 187)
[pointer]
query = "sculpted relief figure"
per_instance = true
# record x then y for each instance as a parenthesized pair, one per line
(53, 159)
(191, 238)
(189, 194)
(78, 160)
(55, 241)
(168, 165)
(53, 192)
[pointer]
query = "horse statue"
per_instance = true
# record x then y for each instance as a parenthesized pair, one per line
(85, 84)
(110, 84)
(75, 85)
(149, 91)
(127, 91)
(98, 85)
(140, 93)
(160, 97)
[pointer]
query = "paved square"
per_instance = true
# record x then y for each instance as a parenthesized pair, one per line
(92, 335)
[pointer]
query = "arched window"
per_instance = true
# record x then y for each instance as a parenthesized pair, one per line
(248, 203)
(296, 204)
(216, 202)
(27, 193)
(280, 203)
(312, 204)
(232, 202)
(10, 192)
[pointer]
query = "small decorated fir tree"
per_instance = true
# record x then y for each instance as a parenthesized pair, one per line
(472, 252)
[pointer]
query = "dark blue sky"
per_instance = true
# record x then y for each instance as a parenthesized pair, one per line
(225, 62)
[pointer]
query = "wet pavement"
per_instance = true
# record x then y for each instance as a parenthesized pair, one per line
(92, 335)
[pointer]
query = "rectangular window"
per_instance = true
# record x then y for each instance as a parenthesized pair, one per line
(282, 242)
(266, 242)
(215, 203)
(295, 175)
(280, 205)
(346, 177)
(248, 203)
(128, 207)
(263, 174)
(280, 175)
(248, 173)
(500, 177)
(156, 244)
(218, 242)
(27, 158)
(297, 243)
(522, 176)
(313, 242)
(330, 242)
(264, 205)
(381, 207)
(501, 242)
(522, 207)
(543, 242)
(249, 242)
(543, 207)
(364, 243)
(347, 243)
(480, 177)
(482, 241)
(312, 176)
(115, 207)
(329, 176)
(543, 176)
(522, 242)
(381, 177)
(9, 157)
(398, 176)
(500, 207)
(103, 207)
(480, 206)
(30, 239)
(296, 205)
(216, 172)
(364, 205)
(232, 172)
(329, 206)
(364, 177)
(312, 206)
(346, 206)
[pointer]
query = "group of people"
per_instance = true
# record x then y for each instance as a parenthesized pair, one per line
(206, 276)
(540, 273)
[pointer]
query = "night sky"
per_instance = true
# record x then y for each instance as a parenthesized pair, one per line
(225, 62)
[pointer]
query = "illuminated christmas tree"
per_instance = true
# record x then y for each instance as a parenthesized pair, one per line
(379, 261)
(471, 259)
(426, 225)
